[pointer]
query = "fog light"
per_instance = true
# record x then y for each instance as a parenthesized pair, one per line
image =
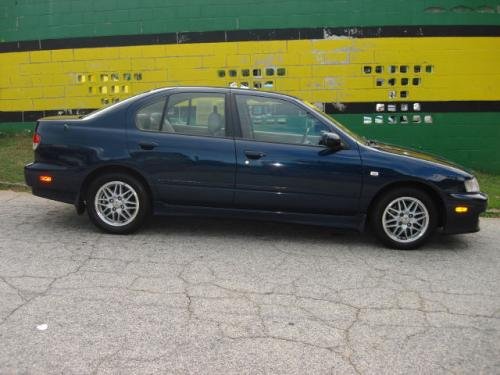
(45, 179)
(461, 209)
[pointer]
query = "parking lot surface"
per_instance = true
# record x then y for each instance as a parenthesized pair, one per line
(208, 296)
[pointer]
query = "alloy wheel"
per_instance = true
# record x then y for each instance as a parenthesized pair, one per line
(405, 219)
(116, 203)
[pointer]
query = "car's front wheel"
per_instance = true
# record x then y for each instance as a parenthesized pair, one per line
(404, 218)
(117, 203)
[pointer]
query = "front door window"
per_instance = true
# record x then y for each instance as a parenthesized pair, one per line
(278, 121)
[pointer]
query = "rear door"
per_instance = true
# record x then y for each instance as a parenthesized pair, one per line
(281, 166)
(183, 143)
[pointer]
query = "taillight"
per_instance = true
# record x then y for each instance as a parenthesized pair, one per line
(36, 140)
(45, 179)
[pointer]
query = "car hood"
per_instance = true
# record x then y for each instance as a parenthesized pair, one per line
(408, 152)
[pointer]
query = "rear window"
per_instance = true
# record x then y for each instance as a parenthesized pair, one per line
(114, 106)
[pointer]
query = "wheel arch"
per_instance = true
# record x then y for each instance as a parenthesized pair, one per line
(433, 193)
(102, 170)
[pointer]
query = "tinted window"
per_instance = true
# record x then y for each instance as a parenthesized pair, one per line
(196, 114)
(274, 120)
(149, 117)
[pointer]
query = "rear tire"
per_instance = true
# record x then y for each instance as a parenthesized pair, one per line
(404, 218)
(118, 203)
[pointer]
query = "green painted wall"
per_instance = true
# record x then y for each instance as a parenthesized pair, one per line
(477, 139)
(54, 19)
(470, 139)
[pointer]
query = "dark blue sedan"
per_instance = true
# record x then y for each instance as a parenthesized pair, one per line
(245, 154)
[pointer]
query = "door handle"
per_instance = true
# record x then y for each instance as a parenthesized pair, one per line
(148, 145)
(254, 154)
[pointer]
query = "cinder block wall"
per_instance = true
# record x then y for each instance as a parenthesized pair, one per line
(423, 74)
(55, 19)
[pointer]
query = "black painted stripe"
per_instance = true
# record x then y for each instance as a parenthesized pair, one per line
(441, 106)
(330, 108)
(252, 35)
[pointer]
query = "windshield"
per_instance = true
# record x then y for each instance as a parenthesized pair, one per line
(349, 132)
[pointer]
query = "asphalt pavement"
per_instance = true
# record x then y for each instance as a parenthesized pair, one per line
(210, 296)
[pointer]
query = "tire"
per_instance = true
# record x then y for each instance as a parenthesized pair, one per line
(404, 218)
(118, 203)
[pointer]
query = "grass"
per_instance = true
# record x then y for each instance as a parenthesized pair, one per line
(490, 184)
(16, 151)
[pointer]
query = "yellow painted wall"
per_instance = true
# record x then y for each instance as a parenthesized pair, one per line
(334, 70)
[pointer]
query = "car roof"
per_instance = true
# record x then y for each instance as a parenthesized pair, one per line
(222, 90)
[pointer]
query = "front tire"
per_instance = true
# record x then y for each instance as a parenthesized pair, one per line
(118, 203)
(404, 218)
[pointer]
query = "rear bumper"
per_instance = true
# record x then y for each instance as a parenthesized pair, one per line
(464, 222)
(63, 187)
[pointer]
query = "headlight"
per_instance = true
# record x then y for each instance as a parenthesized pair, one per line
(472, 186)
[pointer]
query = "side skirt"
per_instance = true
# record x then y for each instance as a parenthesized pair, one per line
(356, 222)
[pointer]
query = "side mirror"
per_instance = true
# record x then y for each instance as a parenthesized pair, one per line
(331, 140)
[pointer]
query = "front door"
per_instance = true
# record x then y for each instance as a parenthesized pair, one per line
(281, 166)
(183, 145)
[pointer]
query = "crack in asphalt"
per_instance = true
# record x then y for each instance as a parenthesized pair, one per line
(215, 299)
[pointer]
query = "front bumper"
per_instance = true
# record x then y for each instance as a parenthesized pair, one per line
(467, 222)
(62, 188)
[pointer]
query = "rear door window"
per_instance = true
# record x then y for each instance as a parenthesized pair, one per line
(202, 114)
(149, 117)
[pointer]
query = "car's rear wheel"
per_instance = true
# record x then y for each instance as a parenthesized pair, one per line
(404, 218)
(117, 203)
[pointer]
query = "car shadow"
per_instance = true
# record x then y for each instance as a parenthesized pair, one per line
(259, 230)
(269, 230)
